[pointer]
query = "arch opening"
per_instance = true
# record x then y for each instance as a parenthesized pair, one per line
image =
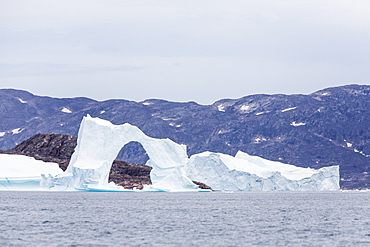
(128, 169)
(133, 152)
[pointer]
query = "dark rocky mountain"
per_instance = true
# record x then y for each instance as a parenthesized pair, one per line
(328, 127)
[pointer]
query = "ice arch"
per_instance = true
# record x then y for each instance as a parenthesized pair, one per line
(99, 142)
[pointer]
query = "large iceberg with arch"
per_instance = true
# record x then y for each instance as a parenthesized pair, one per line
(99, 142)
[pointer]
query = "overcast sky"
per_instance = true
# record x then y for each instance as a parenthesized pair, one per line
(190, 50)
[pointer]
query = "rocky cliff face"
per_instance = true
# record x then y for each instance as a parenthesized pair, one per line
(328, 127)
(47, 147)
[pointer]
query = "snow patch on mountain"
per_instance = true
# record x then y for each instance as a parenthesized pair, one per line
(66, 110)
(349, 145)
(260, 113)
(175, 125)
(169, 119)
(260, 139)
(245, 108)
(360, 152)
(221, 108)
(16, 131)
(288, 109)
(22, 101)
(296, 124)
(223, 131)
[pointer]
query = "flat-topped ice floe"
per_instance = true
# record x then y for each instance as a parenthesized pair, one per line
(99, 142)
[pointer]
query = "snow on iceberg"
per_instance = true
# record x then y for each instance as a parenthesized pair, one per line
(19, 172)
(251, 173)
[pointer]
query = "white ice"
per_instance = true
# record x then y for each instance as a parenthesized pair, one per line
(251, 173)
(99, 142)
(19, 172)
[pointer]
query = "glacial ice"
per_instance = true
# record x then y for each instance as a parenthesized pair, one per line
(19, 172)
(251, 173)
(99, 142)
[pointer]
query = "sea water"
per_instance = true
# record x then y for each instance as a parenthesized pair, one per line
(185, 219)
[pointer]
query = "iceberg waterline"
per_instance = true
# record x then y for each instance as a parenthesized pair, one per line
(99, 142)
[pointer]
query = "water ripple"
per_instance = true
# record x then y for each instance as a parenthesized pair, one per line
(184, 219)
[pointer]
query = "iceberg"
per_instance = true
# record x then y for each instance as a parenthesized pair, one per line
(99, 142)
(251, 173)
(19, 172)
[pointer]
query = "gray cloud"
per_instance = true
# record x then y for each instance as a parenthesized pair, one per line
(188, 50)
(49, 69)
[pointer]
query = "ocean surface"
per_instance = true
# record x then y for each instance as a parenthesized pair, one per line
(185, 219)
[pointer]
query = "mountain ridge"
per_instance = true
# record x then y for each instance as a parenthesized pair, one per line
(327, 127)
